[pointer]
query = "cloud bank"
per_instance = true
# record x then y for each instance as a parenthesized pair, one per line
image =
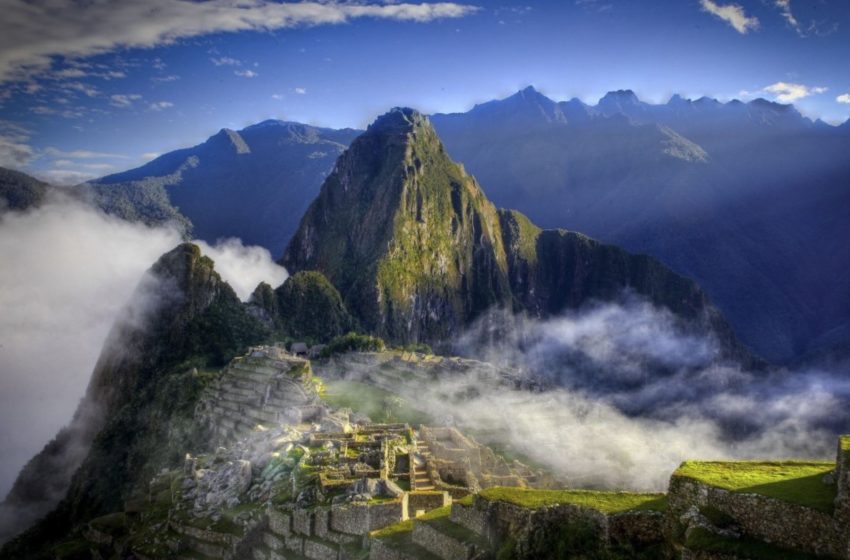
(733, 14)
(68, 270)
(33, 32)
(243, 267)
(629, 394)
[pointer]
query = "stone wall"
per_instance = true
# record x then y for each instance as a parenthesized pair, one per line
(426, 501)
(360, 518)
(780, 523)
(473, 517)
(639, 528)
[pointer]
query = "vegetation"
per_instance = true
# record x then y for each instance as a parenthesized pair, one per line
(743, 547)
(353, 342)
(606, 502)
(407, 526)
(797, 482)
(374, 402)
(19, 191)
(311, 308)
(145, 201)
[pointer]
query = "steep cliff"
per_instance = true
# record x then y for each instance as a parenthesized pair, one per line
(136, 414)
(407, 237)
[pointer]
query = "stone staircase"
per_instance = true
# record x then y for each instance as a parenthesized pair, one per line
(421, 479)
(455, 533)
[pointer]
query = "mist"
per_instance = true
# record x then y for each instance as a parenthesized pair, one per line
(68, 270)
(623, 393)
(635, 392)
(243, 267)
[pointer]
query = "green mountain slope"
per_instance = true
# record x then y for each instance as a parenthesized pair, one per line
(418, 251)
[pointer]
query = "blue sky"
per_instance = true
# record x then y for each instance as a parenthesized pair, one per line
(96, 88)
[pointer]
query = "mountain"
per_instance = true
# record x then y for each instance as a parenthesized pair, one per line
(746, 198)
(19, 191)
(135, 416)
(417, 251)
(253, 184)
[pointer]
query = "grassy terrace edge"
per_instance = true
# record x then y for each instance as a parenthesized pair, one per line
(796, 482)
(606, 502)
(402, 527)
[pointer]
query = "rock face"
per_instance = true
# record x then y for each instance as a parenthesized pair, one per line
(405, 235)
(311, 308)
(417, 251)
(140, 399)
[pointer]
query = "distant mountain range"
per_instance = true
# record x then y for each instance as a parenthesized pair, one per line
(749, 199)
(746, 198)
(253, 184)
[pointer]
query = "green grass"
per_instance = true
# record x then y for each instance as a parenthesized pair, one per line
(467, 500)
(110, 523)
(402, 527)
(796, 482)
(706, 541)
(376, 403)
(606, 502)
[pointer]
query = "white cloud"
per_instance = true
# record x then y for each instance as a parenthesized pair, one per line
(57, 311)
(160, 105)
(80, 154)
(785, 8)
(31, 33)
(246, 73)
(733, 14)
(243, 267)
(169, 78)
(786, 92)
(226, 61)
(843, 98)
(123, 99)
(65, 177)
(79, 87)
(301, 91)
(277, 96)
(15, 150)
(147, 156)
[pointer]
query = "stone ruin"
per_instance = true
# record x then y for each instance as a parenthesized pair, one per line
(292, 477)
(460, 465)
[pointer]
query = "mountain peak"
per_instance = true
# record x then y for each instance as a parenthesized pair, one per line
(398, 119)
(621, 96)
(232, 139)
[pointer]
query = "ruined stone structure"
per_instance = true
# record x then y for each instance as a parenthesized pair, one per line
(457, 460)
(289, 477)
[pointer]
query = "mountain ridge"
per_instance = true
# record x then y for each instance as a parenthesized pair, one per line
(417, 251)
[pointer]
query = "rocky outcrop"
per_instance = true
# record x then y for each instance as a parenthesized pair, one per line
(311, 308)
(405, 235)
